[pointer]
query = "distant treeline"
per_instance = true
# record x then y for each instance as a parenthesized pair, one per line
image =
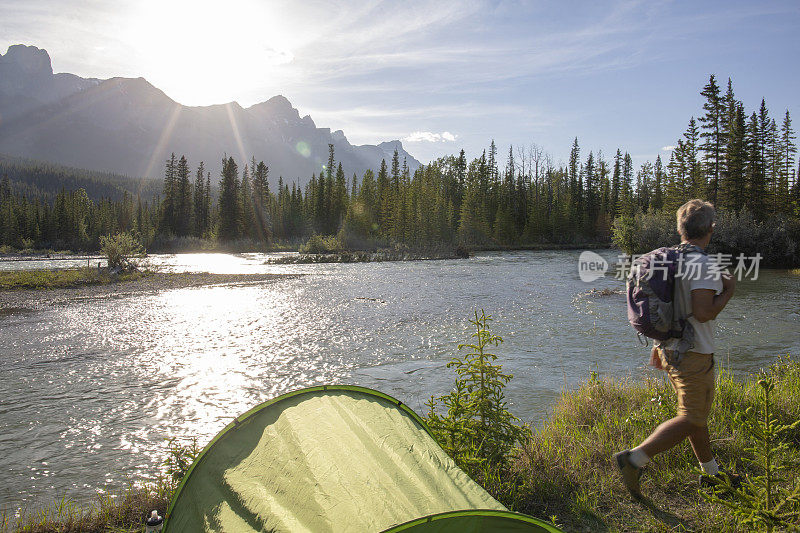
(43, 181)
(741, 164)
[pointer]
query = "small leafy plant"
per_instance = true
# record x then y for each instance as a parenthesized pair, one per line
(769, 500)
(476, 428)
(180, 457)
(121, 249)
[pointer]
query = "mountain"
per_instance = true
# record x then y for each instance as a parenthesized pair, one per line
(27, 81)
(128, 126)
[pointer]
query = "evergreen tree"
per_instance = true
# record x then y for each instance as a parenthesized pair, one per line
(591, 196)
(183, 199)
(788, 151)
(695, 179)
(249, 226)
(384, 200)
(262, 201)
(229, 201)
(755, 169)
(627, 203)
(199, 201)
(168, 205)
(712, 124)
(734, 181)
(658, 184)
(616, 184)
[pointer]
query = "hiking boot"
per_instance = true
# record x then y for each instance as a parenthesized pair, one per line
(630, 474)
(708, 481)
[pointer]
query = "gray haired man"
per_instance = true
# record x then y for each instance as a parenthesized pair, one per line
(705, 293)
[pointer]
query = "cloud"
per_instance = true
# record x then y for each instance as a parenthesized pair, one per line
(430, 137)
(667, 148)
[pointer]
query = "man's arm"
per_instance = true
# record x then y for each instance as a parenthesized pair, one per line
(706, 304)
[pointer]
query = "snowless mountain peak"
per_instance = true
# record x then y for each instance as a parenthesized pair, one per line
(129, 126)
(30, 59)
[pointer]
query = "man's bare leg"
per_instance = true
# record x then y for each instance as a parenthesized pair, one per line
(671, 433)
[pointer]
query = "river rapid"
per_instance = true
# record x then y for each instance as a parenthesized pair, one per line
(92, 387)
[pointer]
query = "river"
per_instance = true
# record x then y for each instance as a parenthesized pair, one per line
(91, 388)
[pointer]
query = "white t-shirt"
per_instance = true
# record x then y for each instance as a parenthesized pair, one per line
(699, 272)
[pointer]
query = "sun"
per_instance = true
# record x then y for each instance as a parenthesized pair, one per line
(203, 53)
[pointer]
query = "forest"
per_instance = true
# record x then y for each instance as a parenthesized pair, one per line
(746, 165)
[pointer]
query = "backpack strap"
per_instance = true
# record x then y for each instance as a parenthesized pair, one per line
(683, 249)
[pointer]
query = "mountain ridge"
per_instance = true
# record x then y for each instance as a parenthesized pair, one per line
(129, 126)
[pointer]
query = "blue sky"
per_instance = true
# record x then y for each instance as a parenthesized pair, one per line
(440, 75)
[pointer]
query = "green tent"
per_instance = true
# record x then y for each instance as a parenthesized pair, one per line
(334, 458)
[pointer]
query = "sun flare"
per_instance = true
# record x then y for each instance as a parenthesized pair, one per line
(201, 52)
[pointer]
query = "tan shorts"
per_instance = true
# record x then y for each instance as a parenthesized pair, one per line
(693, 381)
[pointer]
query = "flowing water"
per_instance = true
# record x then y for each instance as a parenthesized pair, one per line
(91, 388)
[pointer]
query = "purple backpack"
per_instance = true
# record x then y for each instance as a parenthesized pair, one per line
(651, 294)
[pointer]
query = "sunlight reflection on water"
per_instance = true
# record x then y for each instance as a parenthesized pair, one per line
(93, 387)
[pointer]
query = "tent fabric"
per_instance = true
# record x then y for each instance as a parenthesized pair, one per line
(333, 458)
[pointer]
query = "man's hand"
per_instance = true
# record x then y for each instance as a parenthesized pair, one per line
(655, 360)
(728, 283)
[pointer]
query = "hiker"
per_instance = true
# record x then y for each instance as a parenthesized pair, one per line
(701, 292)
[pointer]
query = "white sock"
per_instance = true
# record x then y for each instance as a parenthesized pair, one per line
(638, 458)
(711, 468)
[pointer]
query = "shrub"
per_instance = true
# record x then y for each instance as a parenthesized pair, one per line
(624, 234)
(770, 499)
(477, 430)
(777, 238)
(318, 244)
(120, 249)
(180, 457)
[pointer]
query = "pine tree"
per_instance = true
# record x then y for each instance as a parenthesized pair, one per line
(591, 196)
(658, 184)
(183, 200)
(339, 200)
(734, 182)
(696, 183)
(168, 205)
(616, 183)
(199, 201)
(249, 226)
(788, 150)
(712, 124)
(229, 201)
(755, 169)
(627, 203)
(644, 180)
(262, 201)
(384, 201)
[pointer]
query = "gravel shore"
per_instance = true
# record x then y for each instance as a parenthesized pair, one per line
(12, 301)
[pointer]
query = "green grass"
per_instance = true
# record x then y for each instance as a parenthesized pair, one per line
(565, 470)
(124, 511)
(64, 278)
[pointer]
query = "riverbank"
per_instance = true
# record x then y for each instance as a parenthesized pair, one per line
(195, 246)
(35, 289)
(368, 257)
(564, 472)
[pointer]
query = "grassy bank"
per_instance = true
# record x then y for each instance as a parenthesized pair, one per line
(564, 472)
(63, 278)
(122, 512)
(367, 257)
(565, 469)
